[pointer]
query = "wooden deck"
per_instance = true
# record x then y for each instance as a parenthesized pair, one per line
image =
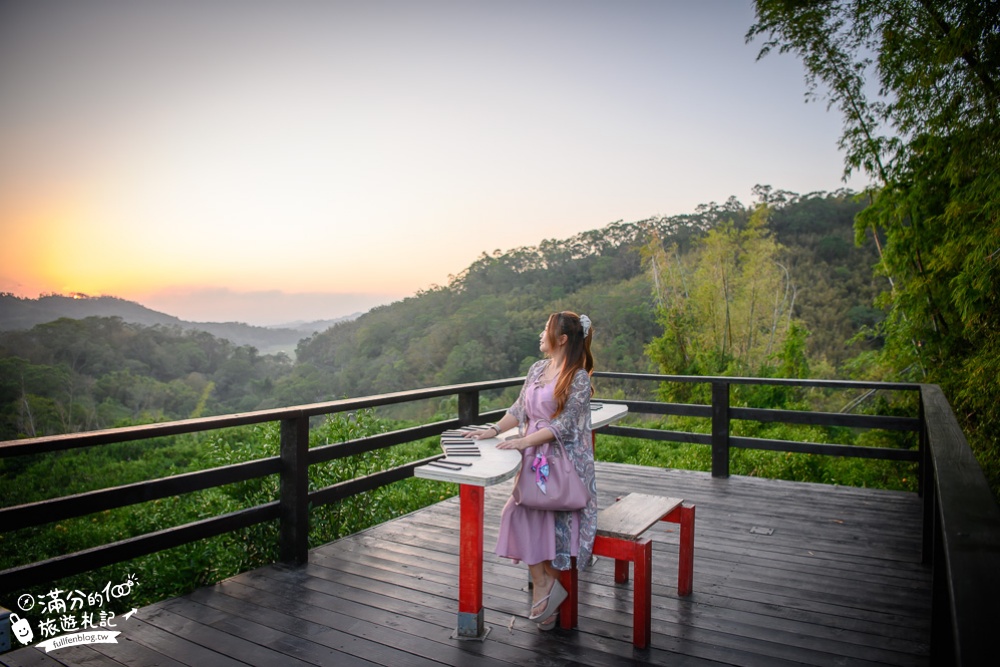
(837, 582)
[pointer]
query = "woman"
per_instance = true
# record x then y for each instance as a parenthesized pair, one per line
(554, 406)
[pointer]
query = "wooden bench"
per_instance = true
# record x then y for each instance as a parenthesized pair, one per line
(619, 531)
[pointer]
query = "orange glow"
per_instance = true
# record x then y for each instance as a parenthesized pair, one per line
(57, 247)
(24, 255)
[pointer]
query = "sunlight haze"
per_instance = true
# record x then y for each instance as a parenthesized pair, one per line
(268, 162)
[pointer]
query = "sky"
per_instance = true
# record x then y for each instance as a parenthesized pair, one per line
(268, 162)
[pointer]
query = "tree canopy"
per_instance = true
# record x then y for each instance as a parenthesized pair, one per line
(97, 372)
(928, 136)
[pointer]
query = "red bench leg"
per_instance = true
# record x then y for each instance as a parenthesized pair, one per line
(642, 594)
(641, 554)
(621, 571)
(684, 515)
(568, 610)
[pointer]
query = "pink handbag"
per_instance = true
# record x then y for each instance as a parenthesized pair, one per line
(548, 481)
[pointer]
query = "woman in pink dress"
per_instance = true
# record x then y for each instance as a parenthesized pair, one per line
(554, 406)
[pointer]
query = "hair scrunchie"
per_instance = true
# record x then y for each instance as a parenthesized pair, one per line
(585, 323)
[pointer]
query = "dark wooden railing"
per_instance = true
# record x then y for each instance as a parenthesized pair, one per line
(722, 415)
(961, 539)
(291, 509)
(961, 518)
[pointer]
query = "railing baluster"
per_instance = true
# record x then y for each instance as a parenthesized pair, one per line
(926, 490)
(720, 429)
(294, 547)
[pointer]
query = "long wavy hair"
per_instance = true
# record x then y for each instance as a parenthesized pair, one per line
(576, 356)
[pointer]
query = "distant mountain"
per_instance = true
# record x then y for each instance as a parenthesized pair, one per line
(310, 328)
(18, 313)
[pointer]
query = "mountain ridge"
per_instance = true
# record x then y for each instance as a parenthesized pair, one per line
(22, 313)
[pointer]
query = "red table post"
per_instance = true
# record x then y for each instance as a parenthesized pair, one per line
(470, 562)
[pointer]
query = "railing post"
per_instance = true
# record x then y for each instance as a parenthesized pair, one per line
(926, 490)
(720, 429)
(924, 463)
(942, 619)
(468, 407)
(294, 490)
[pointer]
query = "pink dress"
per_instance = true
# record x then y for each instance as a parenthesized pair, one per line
(527, 534)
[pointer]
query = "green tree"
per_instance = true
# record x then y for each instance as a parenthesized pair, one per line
(73, 375)
(930, 140)
(726, 307)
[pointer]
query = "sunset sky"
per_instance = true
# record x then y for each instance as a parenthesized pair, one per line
(273, 161)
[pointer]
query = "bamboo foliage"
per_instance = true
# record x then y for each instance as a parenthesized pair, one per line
(929, 138)
(727, 305)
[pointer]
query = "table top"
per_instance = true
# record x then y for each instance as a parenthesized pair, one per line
(480, 463)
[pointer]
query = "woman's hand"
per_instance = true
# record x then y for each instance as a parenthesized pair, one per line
(481, 434)
(514, 443)
(539, 437)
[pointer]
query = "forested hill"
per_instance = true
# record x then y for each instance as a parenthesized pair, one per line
(485, 323)
(17, 313)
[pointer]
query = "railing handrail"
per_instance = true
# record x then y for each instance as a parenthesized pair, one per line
(961, 540)
(178, 427)
(830, 384)
(64, 441)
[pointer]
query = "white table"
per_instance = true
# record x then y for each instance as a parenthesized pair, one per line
(492, 466)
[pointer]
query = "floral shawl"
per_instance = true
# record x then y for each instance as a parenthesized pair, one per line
(573, 433)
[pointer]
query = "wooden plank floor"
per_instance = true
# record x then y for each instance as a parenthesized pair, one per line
(838, 582)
